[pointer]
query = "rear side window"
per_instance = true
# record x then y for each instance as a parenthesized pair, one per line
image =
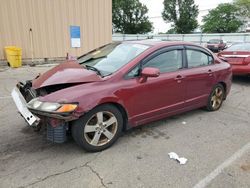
(166, 62)
(197, 58)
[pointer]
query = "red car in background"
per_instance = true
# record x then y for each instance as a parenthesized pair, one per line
(216, 45)
(122, 85)
(238, 55)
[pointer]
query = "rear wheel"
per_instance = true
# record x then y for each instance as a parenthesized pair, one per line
(98, 129)
(216, 98)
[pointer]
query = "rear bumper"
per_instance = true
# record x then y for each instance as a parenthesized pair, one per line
(241, 69)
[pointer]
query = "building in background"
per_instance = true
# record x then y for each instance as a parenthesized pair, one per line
(53, 28)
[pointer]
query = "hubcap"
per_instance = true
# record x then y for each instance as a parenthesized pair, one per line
(100, 128)
(217, 98)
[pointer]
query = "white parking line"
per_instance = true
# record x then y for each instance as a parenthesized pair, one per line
(204, 182)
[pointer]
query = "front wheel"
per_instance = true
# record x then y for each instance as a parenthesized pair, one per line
(98, 129)
(216, 98)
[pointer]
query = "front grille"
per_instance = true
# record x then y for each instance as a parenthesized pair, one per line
(27, 91)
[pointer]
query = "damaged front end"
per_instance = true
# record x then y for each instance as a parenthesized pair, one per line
(30, 98)
(54, 117)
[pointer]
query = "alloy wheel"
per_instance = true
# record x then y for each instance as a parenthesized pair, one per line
(100, 128)
(217, 98)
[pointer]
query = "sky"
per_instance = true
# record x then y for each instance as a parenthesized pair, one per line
(156, 6)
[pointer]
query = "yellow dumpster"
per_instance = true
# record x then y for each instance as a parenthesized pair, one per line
(14, 56)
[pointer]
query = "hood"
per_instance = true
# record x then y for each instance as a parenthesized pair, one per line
(69, 72)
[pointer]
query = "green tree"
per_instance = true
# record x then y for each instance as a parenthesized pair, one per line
(171, 31)
(130, 17)
(223, 19)
(244, 6)
(182, 13)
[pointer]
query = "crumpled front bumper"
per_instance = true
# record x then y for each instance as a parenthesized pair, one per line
(56, 124)
(21, 105)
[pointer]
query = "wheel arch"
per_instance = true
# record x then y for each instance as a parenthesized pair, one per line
(224, 87)
(121, 108)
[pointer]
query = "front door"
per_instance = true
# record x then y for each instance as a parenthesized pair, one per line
(161, 95)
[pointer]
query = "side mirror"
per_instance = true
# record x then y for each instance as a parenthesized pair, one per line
(148, 72)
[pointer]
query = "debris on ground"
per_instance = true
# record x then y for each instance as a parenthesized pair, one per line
(181, 160)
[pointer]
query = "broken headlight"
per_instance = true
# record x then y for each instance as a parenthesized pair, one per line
(51, 106)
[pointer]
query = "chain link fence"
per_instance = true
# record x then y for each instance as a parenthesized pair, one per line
(202, 38)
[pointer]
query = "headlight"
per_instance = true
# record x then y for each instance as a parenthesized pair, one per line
(50, 106)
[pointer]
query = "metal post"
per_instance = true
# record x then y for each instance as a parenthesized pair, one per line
(200, 38)
(31, 45)
(245, 37)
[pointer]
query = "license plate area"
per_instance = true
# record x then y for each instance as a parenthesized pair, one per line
(20, 102)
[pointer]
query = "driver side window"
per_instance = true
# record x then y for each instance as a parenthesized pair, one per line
(166, 62)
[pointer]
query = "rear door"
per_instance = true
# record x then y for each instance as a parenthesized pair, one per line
(199, 75)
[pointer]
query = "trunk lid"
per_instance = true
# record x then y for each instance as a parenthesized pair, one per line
(236, 57)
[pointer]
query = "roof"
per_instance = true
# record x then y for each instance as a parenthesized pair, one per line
(160, 43)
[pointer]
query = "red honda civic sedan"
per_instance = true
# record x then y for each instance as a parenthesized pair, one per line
(238, 55)
(119, 86)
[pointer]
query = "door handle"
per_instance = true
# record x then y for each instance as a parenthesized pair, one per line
(210, 72)
(179, 77)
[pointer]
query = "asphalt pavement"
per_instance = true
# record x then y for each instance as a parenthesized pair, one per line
(216, 144)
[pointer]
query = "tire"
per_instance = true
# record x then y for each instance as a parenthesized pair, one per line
(216, 98)
(98, 129)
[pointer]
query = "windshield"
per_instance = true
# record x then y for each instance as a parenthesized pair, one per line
(112, 57)
(214, 41)
(239, 47)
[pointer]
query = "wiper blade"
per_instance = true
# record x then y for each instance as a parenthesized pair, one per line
(93, 69)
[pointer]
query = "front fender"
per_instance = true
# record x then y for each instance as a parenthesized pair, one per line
(87, 95)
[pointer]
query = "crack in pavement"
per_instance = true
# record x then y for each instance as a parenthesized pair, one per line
(67, 171)
(56, 174)
(97, 174)
(53, 175)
